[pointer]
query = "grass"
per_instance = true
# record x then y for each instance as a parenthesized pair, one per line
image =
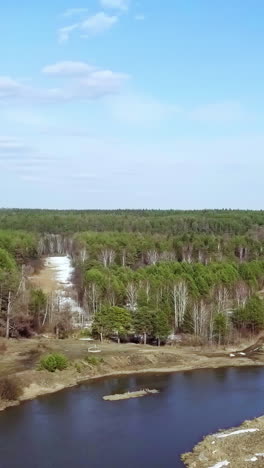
(127, 395)
(93, 360)
(9, 389)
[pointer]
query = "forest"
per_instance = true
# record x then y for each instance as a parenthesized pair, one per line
(140, 275)
(145, 221)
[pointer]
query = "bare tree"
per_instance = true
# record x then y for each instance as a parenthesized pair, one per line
(180, 302)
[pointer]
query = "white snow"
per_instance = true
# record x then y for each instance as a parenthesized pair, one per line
(253, 459)
(242, 354)
(259, 454)
(63, 270)
(220, 464)
(232, 355)
(241, 431)
(62, 267)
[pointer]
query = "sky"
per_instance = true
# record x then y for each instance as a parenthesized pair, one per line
(132, 104)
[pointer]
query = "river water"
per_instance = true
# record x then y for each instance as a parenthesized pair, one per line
(76, 428)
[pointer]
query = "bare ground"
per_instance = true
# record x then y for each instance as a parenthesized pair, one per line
(238, 450)
(22, 356)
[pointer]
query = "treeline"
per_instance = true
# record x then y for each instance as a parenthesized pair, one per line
(135, 250)
(209, 301)
(17, 302)
(145, 221)
(22, 245)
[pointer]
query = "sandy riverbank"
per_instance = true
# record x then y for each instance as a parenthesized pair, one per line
(22, 357)
(240, 447)
(21, 360)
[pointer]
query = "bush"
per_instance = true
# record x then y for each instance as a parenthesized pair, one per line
(54, 362)
(93, 360)
(9, 389)
(85, 333)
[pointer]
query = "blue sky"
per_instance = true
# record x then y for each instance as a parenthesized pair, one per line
(132, 104)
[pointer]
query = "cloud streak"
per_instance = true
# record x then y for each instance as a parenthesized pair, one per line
(91, 26)
(74, 12)
(115, 4)
(84, 82)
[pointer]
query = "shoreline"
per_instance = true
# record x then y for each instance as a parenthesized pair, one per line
(236, 447)
(61, 380)
(132, 361)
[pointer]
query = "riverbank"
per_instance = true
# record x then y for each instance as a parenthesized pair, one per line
(236, 448)
(21, 358)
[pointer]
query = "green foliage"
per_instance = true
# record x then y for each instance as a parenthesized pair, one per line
(94, 360)
(236, 222)
(144, 321)
(54, 362)
(7, 263)
(161, 325)
(221, 326)
(85, 333)
(251, 316)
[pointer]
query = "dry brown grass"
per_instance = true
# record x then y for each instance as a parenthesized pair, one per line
(127, 395)
(237, 449)
(9, 389)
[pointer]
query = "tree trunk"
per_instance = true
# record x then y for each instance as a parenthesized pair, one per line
(101, 337)
(8, 316)
(46, 314)
(145, 338)
(118, 339)
(158, 341)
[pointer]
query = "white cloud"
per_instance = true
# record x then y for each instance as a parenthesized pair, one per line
(139, 17)
(64, 33)
(115, 4)
(74, 12)
(98, 23)
(85, 82)
(92, 25)
(101, 83)
(68, 68)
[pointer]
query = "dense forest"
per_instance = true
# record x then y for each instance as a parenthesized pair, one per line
(141, 274)
(145, 221)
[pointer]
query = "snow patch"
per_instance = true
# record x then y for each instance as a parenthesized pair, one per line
(62, 267)
(220, 464)
(241, 431)
(253, 459)
(232, 355)
(242, 354)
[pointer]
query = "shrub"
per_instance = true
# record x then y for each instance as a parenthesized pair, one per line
(54, 362)
(85, 333)
(9, 389)
(93, 360)
(79, 367)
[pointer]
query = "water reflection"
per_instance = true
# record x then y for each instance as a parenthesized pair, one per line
(76, 427)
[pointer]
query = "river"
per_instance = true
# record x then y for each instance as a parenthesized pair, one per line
(76, 428)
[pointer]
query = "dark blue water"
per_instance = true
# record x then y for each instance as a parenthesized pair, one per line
(75, 428)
